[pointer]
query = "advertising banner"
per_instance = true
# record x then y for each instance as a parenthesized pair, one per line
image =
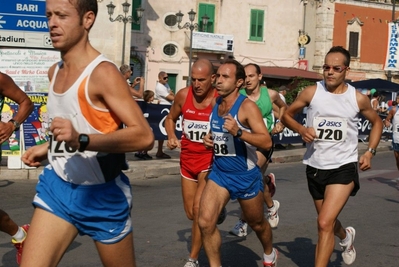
(391, 62)
(214, 42)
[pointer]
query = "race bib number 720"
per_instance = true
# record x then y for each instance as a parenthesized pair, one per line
(330, 129)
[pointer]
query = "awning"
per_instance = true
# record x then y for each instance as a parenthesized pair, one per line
(289, 73)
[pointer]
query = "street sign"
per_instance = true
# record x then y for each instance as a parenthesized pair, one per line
(23, 23)
(23, 15)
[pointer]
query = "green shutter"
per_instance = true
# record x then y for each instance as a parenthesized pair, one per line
(256, 25)
(136, 4)
(209, 10)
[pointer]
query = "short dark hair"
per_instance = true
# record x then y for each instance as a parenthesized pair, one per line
(258, 71)
(84, 6)
(240, 71)
(340, 49)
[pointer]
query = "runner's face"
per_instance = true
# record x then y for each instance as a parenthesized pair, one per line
(252, 79)
(65, 25)
(226, 81)
(334, 77)
(201, 80)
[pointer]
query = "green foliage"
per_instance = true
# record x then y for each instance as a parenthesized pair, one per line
(297, 85)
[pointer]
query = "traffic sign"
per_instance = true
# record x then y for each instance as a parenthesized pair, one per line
(23, 15)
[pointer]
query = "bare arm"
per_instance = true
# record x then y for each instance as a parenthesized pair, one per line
(139, 93)
(174, 113)
(250, 116)
(303, 100)
(10, 90)
(388, 119)
(282, 107)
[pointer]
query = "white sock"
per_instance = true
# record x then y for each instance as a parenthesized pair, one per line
(269, 258)
(347, 238)
(20, 235)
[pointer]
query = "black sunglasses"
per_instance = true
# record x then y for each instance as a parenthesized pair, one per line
(165, 78)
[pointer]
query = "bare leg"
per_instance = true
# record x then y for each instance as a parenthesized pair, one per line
(253, 212)
(192, 193)
(214, 198)
(119, 254)
(6, 224)
(335, 198)
(49, 237)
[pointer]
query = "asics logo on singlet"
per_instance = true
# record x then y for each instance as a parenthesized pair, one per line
(197, 126)
(330, 123)
(221, 138)
(190, 111)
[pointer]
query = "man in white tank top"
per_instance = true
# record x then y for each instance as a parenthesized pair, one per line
(331, 156)
(82, 190)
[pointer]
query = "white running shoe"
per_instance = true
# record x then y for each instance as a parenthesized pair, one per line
(349, 252)
(240, 229)
(274, 262)
(191, 263)
(272, 214)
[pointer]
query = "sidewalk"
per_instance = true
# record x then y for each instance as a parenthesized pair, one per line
(147, 169)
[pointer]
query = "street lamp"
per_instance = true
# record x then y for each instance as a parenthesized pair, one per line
(125, 19)
(191, 26)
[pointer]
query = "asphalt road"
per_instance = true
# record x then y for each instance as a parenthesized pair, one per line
(162, 232)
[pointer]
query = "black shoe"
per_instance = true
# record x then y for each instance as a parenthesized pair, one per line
(138, 155)
(146, 156)
(279, 146)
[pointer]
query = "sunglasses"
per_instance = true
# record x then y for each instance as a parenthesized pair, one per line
(338, 69)
(165, 78)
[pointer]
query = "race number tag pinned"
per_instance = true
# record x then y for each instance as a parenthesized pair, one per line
(60, 148)
(330, 129)
(223, 144)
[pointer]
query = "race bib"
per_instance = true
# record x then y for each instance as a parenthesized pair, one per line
(195, 130)
(330, 129)
(60, 148)
(223, 144)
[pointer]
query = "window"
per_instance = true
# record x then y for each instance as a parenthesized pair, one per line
(256, 27)
(136, 4)
(170, 50)
(354, 44)
(170, 20)
(209, 10)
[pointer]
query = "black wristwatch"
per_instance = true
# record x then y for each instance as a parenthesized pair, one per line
(84, 141)
(372, 151)
(239, 133)
(16, 124)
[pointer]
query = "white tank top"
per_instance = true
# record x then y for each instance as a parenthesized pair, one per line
(86, 167)
(334, 118)
(395, 126)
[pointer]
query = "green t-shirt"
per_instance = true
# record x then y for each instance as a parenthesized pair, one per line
(265, 105)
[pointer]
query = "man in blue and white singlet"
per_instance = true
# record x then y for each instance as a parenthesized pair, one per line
(331, 137)
(237, 129)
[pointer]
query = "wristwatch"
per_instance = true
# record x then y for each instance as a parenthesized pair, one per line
(84, 141)
(16, 124)
(372, 151)
(239, 133)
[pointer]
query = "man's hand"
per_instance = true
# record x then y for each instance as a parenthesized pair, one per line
(308, 134)
(365, 161)
(173, 143)
(35, 155)
(230, 124)
(6, 129)
(278, 128)
(208, 142)
(63, 130)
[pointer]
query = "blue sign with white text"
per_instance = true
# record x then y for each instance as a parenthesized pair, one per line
(23, 15)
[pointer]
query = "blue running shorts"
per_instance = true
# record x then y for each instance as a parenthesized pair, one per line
(245, 185)
(101, 211)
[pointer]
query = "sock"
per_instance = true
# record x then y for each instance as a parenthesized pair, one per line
(346, 239)
(269, 258)
(20, 235)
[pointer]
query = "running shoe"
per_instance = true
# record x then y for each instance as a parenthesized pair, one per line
(222, 216)
(19, 245)
(240, 229)
(191, 263)
(348, 250)
(271, 183)
(272, 214)
(274, 262)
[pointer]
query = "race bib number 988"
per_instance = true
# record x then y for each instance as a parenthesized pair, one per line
(330, 129)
